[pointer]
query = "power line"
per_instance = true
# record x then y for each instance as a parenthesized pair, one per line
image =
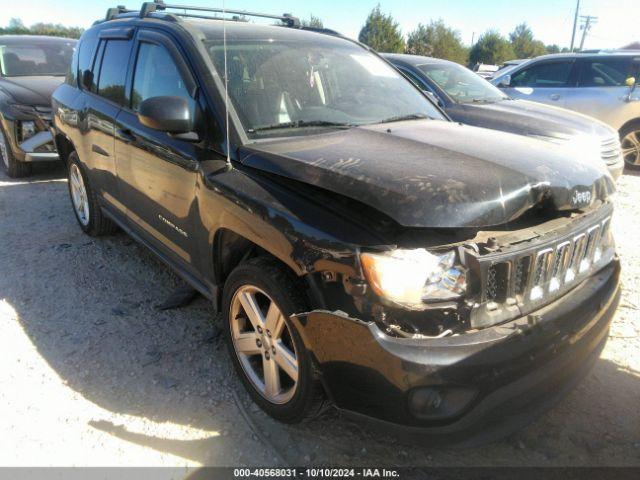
(587, 22)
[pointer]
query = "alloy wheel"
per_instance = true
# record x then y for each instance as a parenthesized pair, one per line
(631, 148)
(263, 343)
(79, 194)
(3, 150)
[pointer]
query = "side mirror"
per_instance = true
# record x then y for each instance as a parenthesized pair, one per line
(505, 81)
(433, 97)
(630, 82)
(86, 79)
(166, 114)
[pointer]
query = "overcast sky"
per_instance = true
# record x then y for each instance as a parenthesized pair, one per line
(551, 20)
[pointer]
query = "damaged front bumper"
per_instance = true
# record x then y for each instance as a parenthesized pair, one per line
(480, 384)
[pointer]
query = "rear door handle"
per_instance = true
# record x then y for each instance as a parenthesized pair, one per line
(125, 135)
(555, 96)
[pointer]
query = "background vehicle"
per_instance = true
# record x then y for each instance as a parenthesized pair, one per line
(485, 71)
(468, 99)
(602, 85)
(361, 247)
(31, 67)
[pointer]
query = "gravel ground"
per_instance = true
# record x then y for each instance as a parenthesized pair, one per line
(92, 373)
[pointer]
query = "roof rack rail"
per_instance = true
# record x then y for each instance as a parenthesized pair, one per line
(159, 5)
(113, 12)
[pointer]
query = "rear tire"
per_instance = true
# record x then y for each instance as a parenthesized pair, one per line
(268, 283)
(13, 167)
(85, 202)
(630, 139)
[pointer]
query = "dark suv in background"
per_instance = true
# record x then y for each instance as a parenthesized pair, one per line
(31, 68)
(362, 248)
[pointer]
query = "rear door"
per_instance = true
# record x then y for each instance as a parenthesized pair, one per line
(545, 81)
(157, 171)
(601, 89)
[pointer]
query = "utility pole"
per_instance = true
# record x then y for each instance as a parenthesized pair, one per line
(588, 21)
(575, 25)
(473, 38)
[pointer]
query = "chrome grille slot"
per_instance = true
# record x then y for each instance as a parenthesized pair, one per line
(560, 264)
(592, 239)
(579, 244)
(540, 272)
(520, 275)
(497, 282)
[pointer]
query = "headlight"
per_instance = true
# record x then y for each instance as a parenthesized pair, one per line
(27, 130)
(413, 278)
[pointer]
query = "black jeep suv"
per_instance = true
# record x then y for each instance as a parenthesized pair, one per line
(31, 68)
(362, 248)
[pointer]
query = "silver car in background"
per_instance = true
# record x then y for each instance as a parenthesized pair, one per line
(603, 85)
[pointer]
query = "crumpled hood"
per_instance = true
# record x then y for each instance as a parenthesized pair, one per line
(530, 118)
(436, 174)
(31, 90)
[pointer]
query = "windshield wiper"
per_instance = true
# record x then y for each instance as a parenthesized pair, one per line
(300, 124)
(402, 118)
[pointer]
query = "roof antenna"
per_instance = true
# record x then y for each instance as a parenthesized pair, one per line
(226, 82)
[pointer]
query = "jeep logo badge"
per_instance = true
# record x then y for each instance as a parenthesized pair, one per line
(581, 199)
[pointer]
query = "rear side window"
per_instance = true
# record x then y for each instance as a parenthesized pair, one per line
(541, 75)
(156, 75)
(606, 72)
(113, 70)
(85, 50)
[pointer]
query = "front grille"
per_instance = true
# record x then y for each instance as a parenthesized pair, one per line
(520, 282)
(611, 150)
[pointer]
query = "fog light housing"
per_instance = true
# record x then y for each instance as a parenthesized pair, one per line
(440, 402)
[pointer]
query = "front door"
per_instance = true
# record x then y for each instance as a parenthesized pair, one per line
(546, 81)
(158, 172)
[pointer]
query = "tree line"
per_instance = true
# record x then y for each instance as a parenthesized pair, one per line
(382, 33)
(435, 39)
(16, 27)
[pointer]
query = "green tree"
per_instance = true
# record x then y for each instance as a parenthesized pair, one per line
(437, 40)
(524, 44)
(381, 32)
(491, 48)
(553, 48)
(313, 22)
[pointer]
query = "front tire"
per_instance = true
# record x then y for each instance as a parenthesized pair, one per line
(259, 297)
(630, 139)
(13, 167)
(85, 202)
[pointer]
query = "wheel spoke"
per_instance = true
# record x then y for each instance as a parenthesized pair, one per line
(271, 377)
(287, 361)
(274, 322)
(246, 344)
(250, 306)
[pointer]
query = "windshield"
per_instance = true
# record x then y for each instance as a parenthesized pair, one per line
(280, 86)
(36, 58)
(462, 84)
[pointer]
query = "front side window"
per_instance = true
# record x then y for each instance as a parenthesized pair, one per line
(543, 75)
(157, 75)
(37, 58)
(311, 82)
(113, 70)
(606, 72)
(461, 84)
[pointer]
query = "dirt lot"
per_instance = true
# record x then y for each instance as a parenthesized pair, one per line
(93, 374)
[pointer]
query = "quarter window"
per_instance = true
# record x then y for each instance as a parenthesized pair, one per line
(113, 71)
(606, 72)
(541, 75)
(156, 75)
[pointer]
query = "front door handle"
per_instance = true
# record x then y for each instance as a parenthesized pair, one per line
(125, 135)
(555, 96)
